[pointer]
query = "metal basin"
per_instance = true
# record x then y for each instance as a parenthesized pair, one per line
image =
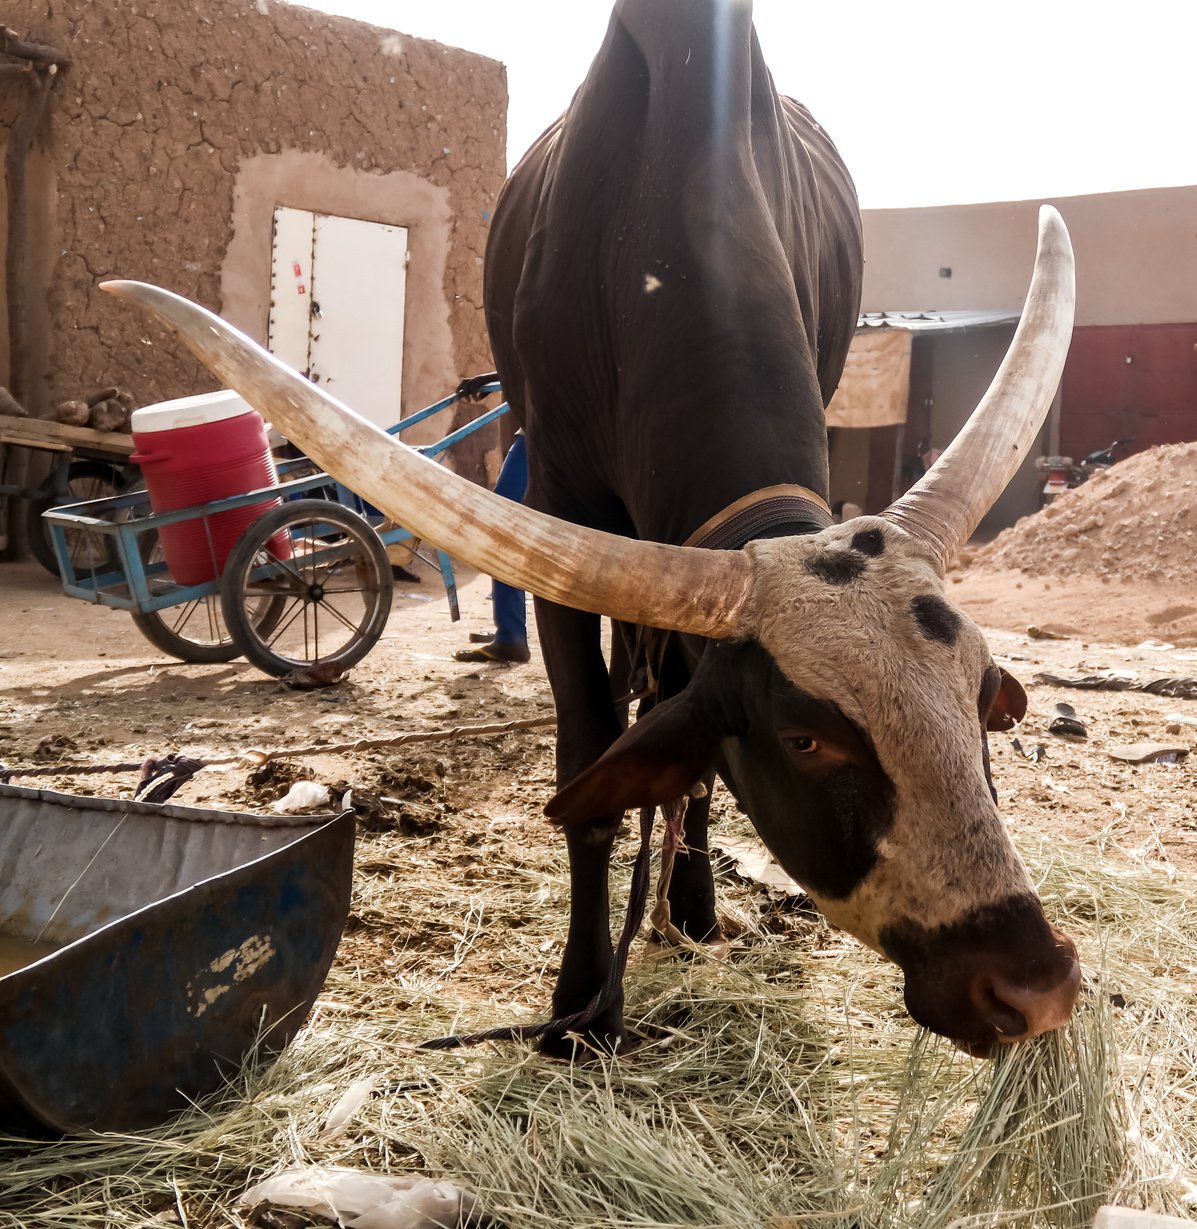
(152, 947)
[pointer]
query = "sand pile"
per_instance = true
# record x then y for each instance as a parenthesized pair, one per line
(1136, 521)
(1113, 561)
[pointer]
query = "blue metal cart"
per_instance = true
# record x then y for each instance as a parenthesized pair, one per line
(328, 602)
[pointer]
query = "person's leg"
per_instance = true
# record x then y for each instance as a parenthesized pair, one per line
(511, 615)
(508, 605)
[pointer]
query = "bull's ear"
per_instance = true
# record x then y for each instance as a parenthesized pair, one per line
(655, 761)
(1010, 705)
(668, 750)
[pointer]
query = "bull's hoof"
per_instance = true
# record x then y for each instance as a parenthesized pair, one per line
(580, 1047)
(603, 1036)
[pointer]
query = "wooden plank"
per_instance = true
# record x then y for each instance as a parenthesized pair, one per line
(1131, 1218)
(58, 437)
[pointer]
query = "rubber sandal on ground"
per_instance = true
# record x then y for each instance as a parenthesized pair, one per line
(492, 654)
(1066, 723)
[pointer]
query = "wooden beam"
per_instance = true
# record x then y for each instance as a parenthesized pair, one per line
(58, 437)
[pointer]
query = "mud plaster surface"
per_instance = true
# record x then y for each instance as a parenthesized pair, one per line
(164, 104)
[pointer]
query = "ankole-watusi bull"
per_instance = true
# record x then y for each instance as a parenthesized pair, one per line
(672, 281)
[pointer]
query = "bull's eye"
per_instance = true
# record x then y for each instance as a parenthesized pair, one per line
(802, 743)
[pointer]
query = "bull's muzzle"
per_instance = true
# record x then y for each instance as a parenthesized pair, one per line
(1000, 975)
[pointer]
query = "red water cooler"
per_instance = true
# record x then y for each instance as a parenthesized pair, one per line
(195, 450)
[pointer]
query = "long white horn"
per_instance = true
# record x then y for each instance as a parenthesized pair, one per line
(946, 505)
(674, 587)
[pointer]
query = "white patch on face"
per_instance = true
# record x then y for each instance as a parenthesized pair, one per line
(858, 645)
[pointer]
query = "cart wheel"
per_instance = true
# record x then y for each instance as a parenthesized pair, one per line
(195, 631)
(336, 588)
(92, 554)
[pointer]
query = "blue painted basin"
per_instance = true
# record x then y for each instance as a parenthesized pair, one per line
(148, 949)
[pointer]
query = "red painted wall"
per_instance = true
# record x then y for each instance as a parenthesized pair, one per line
(1153, 397)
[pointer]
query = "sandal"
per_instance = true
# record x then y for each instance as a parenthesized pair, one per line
(513, 654)
(1066, 723)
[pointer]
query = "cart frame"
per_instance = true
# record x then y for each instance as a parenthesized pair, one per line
(119, 525)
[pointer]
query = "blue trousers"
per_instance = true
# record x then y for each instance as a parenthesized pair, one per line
(509, 605)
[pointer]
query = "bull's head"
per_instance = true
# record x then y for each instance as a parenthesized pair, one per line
(854, 729)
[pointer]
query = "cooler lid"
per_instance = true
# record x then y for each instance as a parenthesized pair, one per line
(194, 411)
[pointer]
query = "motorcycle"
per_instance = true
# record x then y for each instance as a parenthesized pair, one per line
(1062, 473)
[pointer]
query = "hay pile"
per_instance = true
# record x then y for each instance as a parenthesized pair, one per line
(1136, 521)
(784, 1087)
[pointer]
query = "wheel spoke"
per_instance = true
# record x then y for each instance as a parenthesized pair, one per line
(336, 614)
(215, 628)
(299, 606)
(183, 617)
(370, 589)
(282, 570)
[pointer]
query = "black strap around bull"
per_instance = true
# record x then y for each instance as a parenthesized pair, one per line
(754, 516)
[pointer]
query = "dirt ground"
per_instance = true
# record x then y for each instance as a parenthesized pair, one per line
(84, 677)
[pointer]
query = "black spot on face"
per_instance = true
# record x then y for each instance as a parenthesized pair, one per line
(821, 815)
(936, 618)
(836, 567)
(869, 542)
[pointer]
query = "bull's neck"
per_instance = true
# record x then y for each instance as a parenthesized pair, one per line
(695, 465)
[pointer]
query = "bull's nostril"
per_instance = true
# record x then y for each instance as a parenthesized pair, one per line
(997, 1009)
(1017, 1011)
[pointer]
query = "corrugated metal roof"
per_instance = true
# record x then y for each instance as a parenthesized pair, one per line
(937, 322)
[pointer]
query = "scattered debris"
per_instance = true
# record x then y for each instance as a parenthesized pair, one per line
(1066, 724)
(1039, 633)
(1148, 753)
(358, 1199)
(752, 860)
(1177, 688)
(318, 674)
(52, 746)
(302, 796)
(1112, 1217)
(352, 1100)
(163, 775)
(1034, 754)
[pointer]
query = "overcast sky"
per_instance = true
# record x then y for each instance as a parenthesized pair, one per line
(929, 101)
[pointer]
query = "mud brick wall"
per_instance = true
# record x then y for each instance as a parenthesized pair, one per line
(172, 116)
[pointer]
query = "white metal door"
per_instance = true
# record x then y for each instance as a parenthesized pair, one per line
(289, 335)
(343, 325)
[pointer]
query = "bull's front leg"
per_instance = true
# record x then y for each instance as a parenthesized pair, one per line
(587, 724)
